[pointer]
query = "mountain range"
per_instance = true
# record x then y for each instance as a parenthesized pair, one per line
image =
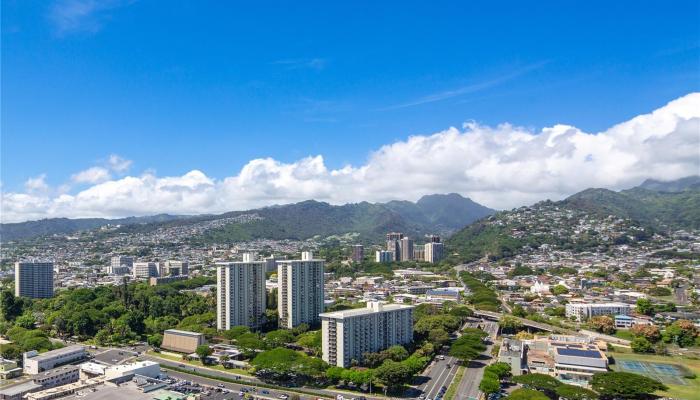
(437, 213)
(653, 206)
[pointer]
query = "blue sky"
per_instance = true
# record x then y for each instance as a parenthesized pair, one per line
(212, 85)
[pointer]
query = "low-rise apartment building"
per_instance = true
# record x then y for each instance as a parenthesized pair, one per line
(581, 311)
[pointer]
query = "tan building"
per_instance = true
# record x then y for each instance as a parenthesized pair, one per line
(182, 341)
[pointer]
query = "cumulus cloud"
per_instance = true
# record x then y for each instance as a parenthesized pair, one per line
(118, 164)
(501, 166)
(91, 175)
(36, 185)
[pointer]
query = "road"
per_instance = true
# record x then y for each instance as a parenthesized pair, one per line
(468, 387)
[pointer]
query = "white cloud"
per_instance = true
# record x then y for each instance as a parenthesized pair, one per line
(36, 185)
(501, 167)
(91, 175)
(72, 16)
(118, 164)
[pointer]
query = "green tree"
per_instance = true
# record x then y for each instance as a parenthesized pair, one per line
(541, 382)
(26, 321)
(645, 306)
(526, 394)
(559, 290)
(641, 345)
(278, 338)
(438, 337)
(681, 332)
(393, 374)
(510, 324)
(469, 345)
(624, 385)
(155, 340)
(203, 352)
(396, 353)
(572, 392)
(489, 385)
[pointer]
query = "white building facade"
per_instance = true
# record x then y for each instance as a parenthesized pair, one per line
(348, 334)
(300, 293)
(240, 296)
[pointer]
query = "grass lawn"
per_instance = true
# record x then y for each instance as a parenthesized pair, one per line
(624, 334)
(238, 371)
(689, 391)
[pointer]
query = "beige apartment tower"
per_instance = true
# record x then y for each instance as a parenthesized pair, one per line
(240, 294)
(300, 293)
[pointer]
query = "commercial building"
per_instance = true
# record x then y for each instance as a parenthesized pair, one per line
(35, 363)
(581, 311)
(145, 270)
(34, 279)
(175, 268)
(17, 392)
(182, 341)
(347, 335)
(512, 352)
(143, 368)
(384, 256)
(571, 359)
(358, 253)
(120, 265)
(240, 294)
(442, 295)
(57, 376)
(434, 252)
(300, 294)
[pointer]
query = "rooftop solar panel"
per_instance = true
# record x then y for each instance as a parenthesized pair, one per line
(578, 353)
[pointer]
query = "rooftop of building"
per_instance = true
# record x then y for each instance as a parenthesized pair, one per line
(577, 352)
(370, 309)
(20, 388)
(183, 333)
(58, 352)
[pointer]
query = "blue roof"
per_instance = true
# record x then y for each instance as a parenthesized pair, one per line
(578, 352)
(623, 317)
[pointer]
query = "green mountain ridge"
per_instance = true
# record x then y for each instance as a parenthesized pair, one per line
(573, 222)
(441, 214)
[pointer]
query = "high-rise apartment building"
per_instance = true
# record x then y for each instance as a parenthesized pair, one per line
(358, 253)
(406, 249)
(347, 335)
(434, 239)
(300, 293)
(393, 244)
(419, 253)
(383, 256)
(145, 270)
(34, 279)
(434, 252)
(240, 294)
(175, 268)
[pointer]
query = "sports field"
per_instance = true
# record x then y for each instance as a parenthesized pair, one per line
(669, 370)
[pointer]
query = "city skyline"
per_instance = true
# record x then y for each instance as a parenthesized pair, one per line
(107, 116)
